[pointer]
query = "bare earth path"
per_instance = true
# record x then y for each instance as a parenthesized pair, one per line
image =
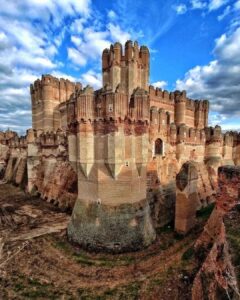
(37, 262)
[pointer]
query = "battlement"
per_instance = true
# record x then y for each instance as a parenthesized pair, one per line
(213, 134)
(189, 135)
(116, 56)
(7, 136)
(18, 142)
(52, 139)
(177, 96)
(50, 86)
(231, 138)
(182, 110)
(128, 68)
(201, 105)
(161, 95)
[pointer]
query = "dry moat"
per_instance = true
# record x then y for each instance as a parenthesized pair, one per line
(37, 262)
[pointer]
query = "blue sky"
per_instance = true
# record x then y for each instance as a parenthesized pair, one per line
(194, 45)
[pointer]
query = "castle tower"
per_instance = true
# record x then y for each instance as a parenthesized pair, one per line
(180, 107)
(50, 100)
(201, 113)
(46, 95)
(109, 149)
(130, 69)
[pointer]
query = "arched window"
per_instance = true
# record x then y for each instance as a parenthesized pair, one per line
(158, 147)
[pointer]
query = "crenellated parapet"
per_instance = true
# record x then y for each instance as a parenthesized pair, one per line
(46, 94)
(52, 139)
(104, 104)
(7, 136)
(214, 135)
(162, 95)
(232, 138)
(52, 88)
(18, 142)
(115, 55)
(190, 136)
(182, 110)
(129, 68)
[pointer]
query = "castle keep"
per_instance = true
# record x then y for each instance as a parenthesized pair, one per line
(112, 155)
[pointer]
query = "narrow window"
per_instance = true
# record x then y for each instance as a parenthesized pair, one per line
(110, 107)
(158, 147)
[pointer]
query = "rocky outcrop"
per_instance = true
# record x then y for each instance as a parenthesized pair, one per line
(216, 277)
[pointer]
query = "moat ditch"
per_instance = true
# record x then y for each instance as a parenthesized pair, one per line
(38, 262)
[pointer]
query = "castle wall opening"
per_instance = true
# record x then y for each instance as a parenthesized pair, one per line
(158, 149)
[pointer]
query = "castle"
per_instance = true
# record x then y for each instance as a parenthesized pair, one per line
(112, 155)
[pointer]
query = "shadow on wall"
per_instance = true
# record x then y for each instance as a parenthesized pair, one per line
(58, 186)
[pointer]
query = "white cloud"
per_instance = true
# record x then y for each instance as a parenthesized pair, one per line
(30, 36)
(218, 81)
(77, 25)
(226, 12)
(76, 57)
(160, 84)
(44, 10)
(92, 78)
(59, 74)
(216, 4)
(228, 48)
(237, 5)
(180, 9)
(117, 34)
(90, 42)
(211, 5)
(76, 40)
(112, 14)
(198, 4)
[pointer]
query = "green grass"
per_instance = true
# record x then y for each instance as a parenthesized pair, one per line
(31, 288)
(102, 261)
(85, 259)
(188, 254)
(205, 212)
(168, 228)
(18, 287)
(128, 292)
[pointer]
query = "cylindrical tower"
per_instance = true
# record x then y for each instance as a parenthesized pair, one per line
(180, 107)
(105, 66)
(128, 50)
(115, 72)
(47, 97)
(144, 55)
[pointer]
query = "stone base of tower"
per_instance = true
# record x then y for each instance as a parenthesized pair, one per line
(127, 227)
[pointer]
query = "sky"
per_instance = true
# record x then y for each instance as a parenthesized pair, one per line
(194, 46)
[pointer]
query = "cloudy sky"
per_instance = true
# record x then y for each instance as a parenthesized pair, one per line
(194, 45)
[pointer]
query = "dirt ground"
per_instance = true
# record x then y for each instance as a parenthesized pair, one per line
(37, 262)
